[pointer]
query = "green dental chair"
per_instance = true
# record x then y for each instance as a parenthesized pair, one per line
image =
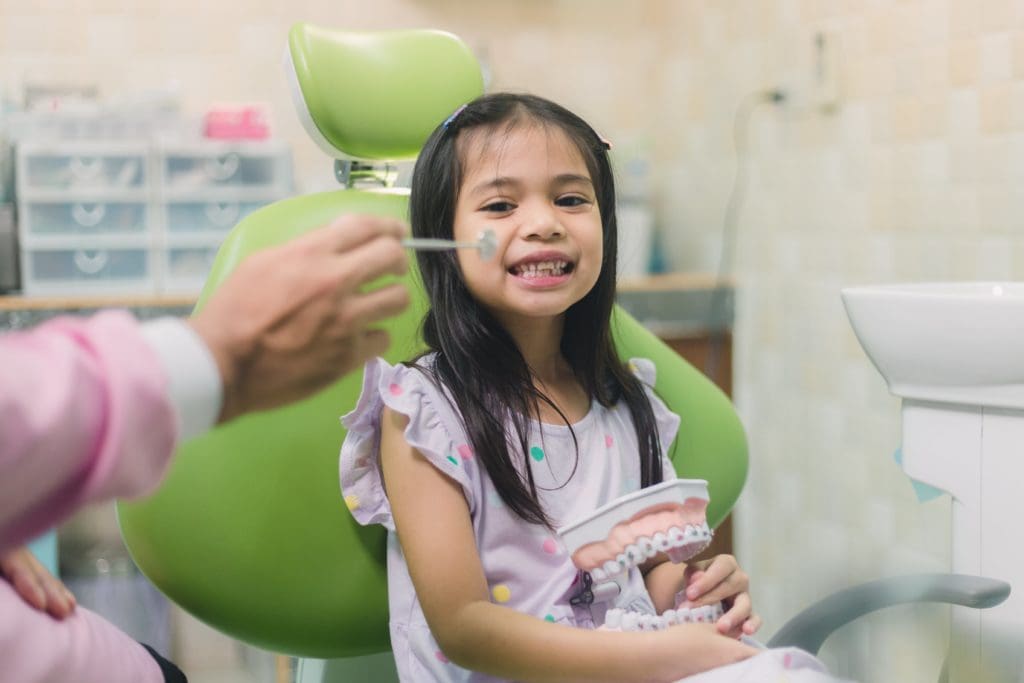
(249, 532)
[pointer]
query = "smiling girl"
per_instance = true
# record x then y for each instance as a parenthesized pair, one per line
(521, 417)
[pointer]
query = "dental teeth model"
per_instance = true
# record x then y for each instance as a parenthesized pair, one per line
(487, 243)
(625, 532)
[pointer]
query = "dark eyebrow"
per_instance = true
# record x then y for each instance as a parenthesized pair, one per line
(493, 183)
(569, 178)
(504, 181)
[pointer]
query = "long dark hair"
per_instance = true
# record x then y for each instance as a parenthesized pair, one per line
(477, 360)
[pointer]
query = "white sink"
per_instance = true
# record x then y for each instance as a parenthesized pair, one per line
(946, 342)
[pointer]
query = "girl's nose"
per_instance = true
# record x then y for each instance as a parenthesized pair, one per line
(543, 226)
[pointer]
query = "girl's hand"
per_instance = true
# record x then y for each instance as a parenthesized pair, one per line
(721, 580)
(689, 649)
(34, 584)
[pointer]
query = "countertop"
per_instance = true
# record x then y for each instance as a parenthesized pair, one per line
(679, 304)
(18, 312)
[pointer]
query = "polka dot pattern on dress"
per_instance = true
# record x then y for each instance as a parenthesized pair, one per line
(501, 593)
(352, 502)
(537, 453)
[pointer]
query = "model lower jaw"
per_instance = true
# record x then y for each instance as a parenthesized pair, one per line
(625, 620)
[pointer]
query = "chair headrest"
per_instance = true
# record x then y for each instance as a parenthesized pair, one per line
(377, 95)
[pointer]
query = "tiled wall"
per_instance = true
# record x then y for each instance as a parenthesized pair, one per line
(915, 176)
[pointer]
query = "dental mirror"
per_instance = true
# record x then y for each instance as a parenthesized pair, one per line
(487, 243)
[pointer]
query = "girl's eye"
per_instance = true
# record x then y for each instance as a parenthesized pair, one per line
(499, 207)
(572, 200)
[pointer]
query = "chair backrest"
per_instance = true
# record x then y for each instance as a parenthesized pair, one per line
(249, 532)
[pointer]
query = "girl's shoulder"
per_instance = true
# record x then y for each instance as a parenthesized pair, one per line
(644, 370)
(408, 388)
(666, 420)
(434, 429)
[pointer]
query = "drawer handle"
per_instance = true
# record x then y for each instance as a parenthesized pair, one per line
(88, 218)
(128, 174)
(90, 265)
(223, 167)
(222, 214)
(85, 169)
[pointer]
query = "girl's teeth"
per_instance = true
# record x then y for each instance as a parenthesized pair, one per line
(542, 269)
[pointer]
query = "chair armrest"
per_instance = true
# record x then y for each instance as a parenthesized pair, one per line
(809, 629)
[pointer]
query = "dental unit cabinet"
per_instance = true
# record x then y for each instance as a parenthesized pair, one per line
(954, 354)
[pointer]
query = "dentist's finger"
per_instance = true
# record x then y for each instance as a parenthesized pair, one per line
(347, 232)
(360, 310)
(35, 584)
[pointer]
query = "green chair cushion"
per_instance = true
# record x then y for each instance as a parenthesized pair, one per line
(341, 75)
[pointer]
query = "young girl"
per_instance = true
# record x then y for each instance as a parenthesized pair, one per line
(521, 418)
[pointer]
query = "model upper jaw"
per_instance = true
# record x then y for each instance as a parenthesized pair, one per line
(667, 518)
(680, 531)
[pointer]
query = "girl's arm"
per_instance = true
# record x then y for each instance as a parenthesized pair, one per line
(436, 534)
(706, 582)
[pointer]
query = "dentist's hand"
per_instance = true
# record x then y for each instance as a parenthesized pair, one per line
(292, 319)
(36, 586)
(720, 579)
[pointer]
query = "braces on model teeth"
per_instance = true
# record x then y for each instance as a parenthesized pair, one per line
(625, 620)
(626, 532)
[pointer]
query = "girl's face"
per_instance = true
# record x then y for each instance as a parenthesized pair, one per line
(531, 187)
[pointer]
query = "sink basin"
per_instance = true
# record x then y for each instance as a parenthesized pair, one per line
(946, 342)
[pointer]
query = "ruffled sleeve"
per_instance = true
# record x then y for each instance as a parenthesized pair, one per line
(667, 421)
(434, 429)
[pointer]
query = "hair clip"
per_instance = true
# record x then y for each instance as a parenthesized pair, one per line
(448, 121)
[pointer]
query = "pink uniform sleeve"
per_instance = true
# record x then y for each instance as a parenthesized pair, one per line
(84, 647)
(84, 416)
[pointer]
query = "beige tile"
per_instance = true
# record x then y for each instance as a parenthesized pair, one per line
(964, 18)
(995, 15)
(995, 58)
(907, 123)
(964, 62)
(1017, 54)
(931, 68)
(998, 213)
(963, 112)
(995, 109)
(882, 33)
(934, 121)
